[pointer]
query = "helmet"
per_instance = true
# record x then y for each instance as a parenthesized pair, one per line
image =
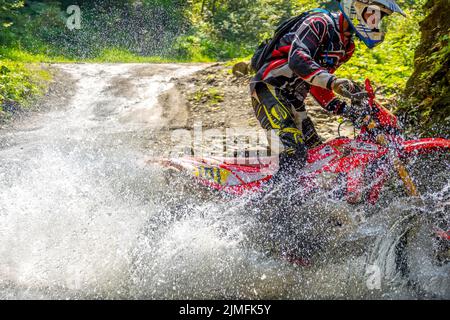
(371, 30)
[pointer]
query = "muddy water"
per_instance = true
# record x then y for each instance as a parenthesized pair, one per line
(83, 216)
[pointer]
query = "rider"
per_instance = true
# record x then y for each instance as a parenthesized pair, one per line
(303, 62)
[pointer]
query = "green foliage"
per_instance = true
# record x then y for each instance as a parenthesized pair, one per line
(117, 55)
(233, 28)
(19, 55)
(19, 84)
(215, 96)
(196, 30)
(145, 28)
(211, 96)
(428, 90)
(7, 11)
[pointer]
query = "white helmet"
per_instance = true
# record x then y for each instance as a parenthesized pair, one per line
(372, 30)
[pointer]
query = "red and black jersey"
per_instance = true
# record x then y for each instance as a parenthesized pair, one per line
(306, 57)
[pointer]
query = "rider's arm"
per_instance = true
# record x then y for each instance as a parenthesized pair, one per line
(308, 38)
(327, 99)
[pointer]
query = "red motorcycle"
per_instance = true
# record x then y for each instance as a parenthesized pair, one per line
(358, 170)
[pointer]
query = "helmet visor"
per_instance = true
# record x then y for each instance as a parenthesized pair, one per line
(374, 18)
(370, 20)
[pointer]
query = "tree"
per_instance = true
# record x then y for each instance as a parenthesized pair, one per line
(428, 89)
(7, 11)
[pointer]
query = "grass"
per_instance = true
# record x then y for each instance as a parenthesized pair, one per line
(18, 55)
(20, 84)
(211, 96)
(112, 55)
(22, 79)
(115, 55)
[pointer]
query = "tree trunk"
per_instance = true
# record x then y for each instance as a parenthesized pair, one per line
(428, 88)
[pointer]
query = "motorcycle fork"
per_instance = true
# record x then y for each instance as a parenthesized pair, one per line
(406, 178)
(401, 170)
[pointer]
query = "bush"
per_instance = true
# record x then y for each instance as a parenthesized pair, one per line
(19, 84)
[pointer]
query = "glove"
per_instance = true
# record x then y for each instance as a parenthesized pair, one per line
(349, 89)
(344, 87)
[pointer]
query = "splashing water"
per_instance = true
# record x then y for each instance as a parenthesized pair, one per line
(81, 216)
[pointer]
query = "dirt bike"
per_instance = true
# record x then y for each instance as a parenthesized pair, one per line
(357, 170)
